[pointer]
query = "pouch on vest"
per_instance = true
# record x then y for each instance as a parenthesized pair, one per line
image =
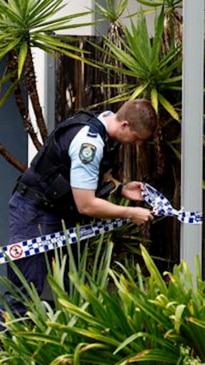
(58, 189)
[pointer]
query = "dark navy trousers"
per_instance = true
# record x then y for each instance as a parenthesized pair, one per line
(28, 221)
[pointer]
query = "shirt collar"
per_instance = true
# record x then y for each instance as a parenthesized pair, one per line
(104, 114)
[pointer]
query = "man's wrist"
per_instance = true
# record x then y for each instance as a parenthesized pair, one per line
(118, 191)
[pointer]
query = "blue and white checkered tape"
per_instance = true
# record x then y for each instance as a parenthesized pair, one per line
(162, 207)
(51, 241)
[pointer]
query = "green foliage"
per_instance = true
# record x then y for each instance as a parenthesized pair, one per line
(25, 25)
(140, 56)
(33, 23)
(110, 11)
(109, 317)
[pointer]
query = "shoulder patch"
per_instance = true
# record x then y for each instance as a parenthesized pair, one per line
(87, 152)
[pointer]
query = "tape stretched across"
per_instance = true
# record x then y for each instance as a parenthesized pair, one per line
(51, 241)
(160, 207)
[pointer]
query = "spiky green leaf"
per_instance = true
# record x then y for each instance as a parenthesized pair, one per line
(169, 107)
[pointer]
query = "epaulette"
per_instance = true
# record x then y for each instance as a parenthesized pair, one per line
(92, 132)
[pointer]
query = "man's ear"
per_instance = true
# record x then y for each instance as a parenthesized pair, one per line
(124, 124)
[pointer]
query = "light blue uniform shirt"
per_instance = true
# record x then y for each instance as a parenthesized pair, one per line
(84, 175)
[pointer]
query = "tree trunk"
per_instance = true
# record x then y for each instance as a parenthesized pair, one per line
(30, 79)
(23, 109)
(11, 159)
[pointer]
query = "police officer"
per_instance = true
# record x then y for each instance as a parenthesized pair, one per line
(65, 179)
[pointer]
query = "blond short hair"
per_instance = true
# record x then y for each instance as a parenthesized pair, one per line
(140, 115)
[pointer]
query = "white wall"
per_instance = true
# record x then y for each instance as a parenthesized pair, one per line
(78, 6)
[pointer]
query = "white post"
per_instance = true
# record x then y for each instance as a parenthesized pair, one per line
(192, 126)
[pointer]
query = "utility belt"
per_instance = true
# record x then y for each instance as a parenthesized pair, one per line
(36, 195)
(112, 186)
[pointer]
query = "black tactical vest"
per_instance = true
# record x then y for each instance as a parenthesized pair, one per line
(50, 169)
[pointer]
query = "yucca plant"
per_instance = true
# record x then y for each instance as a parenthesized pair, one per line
(141, 59)
(24, 25)
(157, 76)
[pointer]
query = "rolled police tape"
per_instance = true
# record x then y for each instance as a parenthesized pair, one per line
(51, 241)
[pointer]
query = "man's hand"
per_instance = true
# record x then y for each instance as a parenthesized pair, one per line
(140, 215)
(133, 190)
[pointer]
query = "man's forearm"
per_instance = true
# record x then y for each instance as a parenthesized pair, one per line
(104, 209)
(88, 204)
